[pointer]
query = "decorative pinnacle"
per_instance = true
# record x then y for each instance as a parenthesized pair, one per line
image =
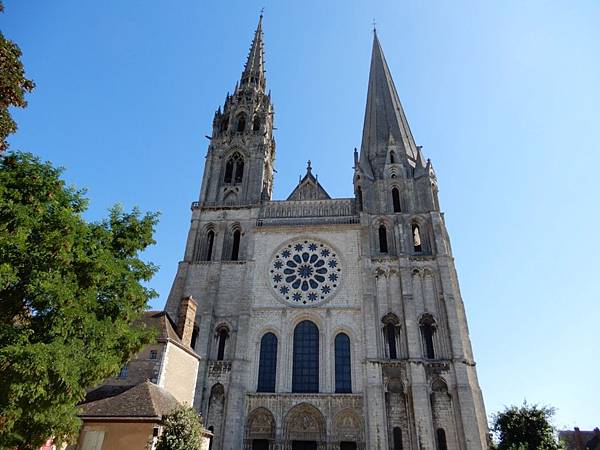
(308, 166)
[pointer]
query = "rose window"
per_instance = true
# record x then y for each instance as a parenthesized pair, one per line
(305, 272)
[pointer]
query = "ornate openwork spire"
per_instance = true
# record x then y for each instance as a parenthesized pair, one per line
(384, 116)
(254, 70)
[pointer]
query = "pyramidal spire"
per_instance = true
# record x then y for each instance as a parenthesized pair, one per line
(384, 117)
(254, 70)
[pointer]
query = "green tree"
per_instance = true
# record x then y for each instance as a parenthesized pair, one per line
(13, 86)
(182, 431)
(526, 427)
(70, 294)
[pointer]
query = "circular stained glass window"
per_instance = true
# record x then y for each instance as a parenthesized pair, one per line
(305, 272)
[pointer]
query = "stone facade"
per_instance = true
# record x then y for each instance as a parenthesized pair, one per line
(375, 270)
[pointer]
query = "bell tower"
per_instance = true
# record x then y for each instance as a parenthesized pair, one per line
(239, 160)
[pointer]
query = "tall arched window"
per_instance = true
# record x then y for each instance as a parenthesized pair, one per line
(267, 364)
(416, 234)
(359, 198)
(224, 123)
(222, 336)
(305, 371)
(235, 245)
(383, 243)
(210, 240)
(441, 439)
(427, 331)
(396, 199)
(392, 157)
(241, 123)
(397, 438)
(390, 335)
(195, 333)
(343, 375)
(256, 124)
(234, 169)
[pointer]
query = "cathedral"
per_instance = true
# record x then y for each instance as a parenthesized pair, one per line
(325, 323)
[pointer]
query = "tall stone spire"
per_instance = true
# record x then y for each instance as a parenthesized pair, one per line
(385, 121)
(254, 70)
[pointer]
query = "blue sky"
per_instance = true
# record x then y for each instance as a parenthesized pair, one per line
(503, 96)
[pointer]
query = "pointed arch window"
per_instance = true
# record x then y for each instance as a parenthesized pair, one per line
(343, 374)
(359, 198)
(305, 371)
(267, 365)
(397, 438)
(392, 157)
(224, 123)
(427, 331)
(234, 169)
(383, 241)
(256, 123)
(390, 336)
(396, 199)
(241, 123)
(210, 240)
(222, 336)
(441, 439)
(235, 245)
(416, 235)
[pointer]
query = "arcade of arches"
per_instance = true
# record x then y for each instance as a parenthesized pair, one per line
(304, 427)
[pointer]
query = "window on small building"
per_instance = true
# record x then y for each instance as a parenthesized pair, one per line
(383, 243)
(396, 199)
(92, 440)
(267, 364)
(153, 354)
(416, 234)
(235, 245)
(345, 445)
(123, 372)
(221, 339)
(343, 373)
(390, 335)
(305, 371)
(441, 439)
(397, 438)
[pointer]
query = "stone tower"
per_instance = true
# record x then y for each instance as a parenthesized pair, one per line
(326, 323)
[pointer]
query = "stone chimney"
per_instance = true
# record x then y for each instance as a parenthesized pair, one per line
(186, 319)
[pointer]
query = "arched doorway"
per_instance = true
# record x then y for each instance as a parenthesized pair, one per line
(260, 430)
(304, 428)
(348, 430)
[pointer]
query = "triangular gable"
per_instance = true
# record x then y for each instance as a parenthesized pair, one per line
(309, 188)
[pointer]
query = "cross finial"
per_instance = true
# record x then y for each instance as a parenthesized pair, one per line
(374, 26)
(262, 10)
(308, 166)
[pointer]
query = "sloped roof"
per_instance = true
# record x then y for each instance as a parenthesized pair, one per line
(144, 400)
(161, 321)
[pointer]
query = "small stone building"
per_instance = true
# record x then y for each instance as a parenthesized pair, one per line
(577, 439)
(125, 412)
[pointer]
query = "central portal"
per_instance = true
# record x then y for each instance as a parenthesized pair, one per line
(304, 445)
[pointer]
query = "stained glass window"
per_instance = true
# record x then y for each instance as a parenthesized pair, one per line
(267, 366)
(305, 372)
(343, 376)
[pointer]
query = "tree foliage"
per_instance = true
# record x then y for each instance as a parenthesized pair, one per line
(526, 427)
(182, 431)
(70, 292)
(13, 86)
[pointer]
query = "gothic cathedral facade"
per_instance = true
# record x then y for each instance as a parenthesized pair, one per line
(326, 323)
